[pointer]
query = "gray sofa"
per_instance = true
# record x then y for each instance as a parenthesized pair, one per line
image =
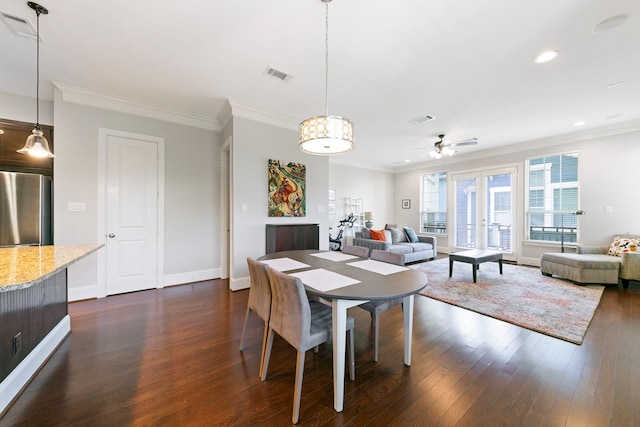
(397, 242)
(594, 264)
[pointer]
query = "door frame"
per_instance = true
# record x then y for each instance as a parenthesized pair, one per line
(481, 201)
(103, 138)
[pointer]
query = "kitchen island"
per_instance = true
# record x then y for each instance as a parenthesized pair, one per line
(33, 310)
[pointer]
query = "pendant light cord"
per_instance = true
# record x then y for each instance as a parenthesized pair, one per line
(37, 69)
(326, 58)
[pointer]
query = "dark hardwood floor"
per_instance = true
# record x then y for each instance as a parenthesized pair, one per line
(170, 357)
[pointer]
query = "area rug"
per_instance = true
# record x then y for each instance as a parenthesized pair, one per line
(522, 296)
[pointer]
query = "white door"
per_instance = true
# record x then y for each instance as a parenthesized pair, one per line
(131, 214)
(484, 210)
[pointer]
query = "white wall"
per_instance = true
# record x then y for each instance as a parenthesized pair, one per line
(375, 187)
(23, 109)
(191, 190)
(254, 143)
(606, 168)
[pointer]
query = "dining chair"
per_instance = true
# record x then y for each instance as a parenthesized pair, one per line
(377, 307)
(259, 301)
(302, 323)
(360, 251)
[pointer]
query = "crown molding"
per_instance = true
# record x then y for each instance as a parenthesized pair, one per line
(105, 101)
(225, 114)
(251, 113)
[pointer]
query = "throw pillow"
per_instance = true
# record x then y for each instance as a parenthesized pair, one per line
(378, 235)
(411, 235)
(397, 235)
(623, 244)
(365, 233)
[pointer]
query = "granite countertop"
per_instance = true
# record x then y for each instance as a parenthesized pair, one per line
(24, 266)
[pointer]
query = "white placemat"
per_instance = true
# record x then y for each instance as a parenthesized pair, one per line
(324, 280)
(284, 264)
(334, 256)
(379, 267)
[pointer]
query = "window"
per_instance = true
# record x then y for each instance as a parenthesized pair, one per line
(552, 197)
(433, 215)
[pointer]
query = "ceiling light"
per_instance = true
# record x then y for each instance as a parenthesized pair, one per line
(609, 23)
(614, 84)
(324, 135)
(1, 131)
(37, 145)
(546, 56)
(580, 123)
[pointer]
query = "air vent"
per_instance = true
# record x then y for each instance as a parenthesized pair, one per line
(19, 26)
(277, 74)
(422, 119)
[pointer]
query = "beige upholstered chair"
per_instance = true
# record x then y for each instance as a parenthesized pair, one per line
(302, 323)
(360, 251)
(377, 307)
(259, 301)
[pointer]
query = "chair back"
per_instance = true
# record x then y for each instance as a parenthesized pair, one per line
(290, 310)
(360, 251)
(260, 290)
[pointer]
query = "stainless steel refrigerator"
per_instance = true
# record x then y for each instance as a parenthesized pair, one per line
(25, 209)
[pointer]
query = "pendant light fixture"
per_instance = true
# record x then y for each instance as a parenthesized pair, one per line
(37, 145)
(326, 135)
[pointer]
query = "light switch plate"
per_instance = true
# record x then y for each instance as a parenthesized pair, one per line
(76, 207)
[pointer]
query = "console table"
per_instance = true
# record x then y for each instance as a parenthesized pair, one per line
(289, 237)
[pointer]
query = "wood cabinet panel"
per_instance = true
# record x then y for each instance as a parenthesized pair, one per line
(287, 237)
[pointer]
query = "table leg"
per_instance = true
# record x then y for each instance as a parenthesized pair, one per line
(450, 267)
(407, 308)
(339, 325)
(475, 270)
(339, 313)
(500, 264)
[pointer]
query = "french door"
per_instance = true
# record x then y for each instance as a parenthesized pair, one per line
(483, 210)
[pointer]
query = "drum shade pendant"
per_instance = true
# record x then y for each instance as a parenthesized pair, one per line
(37, 145)
(326, 135)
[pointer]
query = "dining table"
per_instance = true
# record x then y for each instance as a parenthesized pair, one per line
(347, 281)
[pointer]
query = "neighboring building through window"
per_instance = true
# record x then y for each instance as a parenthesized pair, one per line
(552, 197)
(433, 214)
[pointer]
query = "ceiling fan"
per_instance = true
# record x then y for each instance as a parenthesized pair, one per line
(443, 147)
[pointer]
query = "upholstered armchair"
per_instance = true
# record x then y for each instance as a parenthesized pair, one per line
(625, 246)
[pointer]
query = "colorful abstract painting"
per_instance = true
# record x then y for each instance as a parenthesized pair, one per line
(287, 188)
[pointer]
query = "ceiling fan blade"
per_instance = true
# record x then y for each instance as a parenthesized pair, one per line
(473, 141)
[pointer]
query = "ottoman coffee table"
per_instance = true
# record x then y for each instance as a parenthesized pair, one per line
(475, 257)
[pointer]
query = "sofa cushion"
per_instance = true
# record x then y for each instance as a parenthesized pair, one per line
(378, 235)
(364, 233)
(417, 247)
(397, 235)
(623, 244)
(411, 235)
(401, 248)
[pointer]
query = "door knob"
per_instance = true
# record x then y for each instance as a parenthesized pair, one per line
(111, 235)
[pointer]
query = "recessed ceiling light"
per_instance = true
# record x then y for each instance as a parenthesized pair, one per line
(610, 85)
(609, 23)
(614, 116)
(580, 123)
(546, 56)
(407, 161)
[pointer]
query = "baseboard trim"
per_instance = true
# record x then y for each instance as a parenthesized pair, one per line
(83, 293)
(20, 377)
(238, 284)
(191, 276)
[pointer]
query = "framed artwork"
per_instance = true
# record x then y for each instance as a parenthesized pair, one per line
(406, 203)
(332, 208)
(332, 194)
(287, 188)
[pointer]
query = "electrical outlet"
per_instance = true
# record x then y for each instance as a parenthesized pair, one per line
(17, 343)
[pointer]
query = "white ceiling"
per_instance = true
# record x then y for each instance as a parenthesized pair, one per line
(469, 63)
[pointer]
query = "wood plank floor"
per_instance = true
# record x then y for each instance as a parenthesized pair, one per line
(170, 357)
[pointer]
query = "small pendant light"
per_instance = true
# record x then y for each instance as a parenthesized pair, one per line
(37, 145)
